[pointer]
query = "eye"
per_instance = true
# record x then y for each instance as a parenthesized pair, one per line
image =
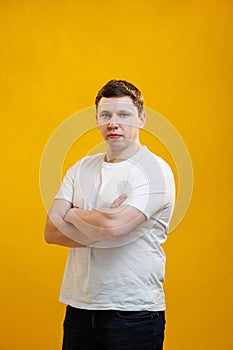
(105, 115)
(124, 115)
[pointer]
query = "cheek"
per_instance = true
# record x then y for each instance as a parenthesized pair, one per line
(131, 129)
(102, 129)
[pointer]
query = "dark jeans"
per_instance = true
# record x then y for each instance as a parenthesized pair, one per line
(113, 330)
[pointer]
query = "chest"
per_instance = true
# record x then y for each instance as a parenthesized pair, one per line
(98, 187)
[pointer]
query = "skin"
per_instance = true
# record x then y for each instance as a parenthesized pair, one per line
(121, 135)
(58, 231)
(118, 123)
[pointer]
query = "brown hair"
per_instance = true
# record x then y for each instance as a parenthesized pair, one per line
(121, 88)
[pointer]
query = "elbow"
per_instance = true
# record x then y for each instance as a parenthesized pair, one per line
(112, 230)
(101, 231)
(49, 232)
(108, 228)
(47, 237)
(115, 233)
(117, 228)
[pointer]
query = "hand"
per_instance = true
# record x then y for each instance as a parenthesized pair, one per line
(118, 201)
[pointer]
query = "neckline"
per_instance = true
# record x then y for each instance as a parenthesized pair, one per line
(133, 158)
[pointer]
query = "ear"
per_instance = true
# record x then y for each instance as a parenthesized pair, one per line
(142, 120)
(96, 122)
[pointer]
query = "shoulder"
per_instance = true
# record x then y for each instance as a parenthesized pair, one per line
(150, 160)
(90, 161)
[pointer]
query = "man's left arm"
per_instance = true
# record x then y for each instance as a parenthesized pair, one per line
(106, 223)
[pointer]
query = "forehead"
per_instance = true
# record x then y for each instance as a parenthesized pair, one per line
(116, 103)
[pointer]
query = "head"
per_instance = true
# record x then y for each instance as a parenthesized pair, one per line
(119, 114)
(121, 88)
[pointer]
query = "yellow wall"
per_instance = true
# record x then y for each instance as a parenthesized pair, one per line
(55, 55)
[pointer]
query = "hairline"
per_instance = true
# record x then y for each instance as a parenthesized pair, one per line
(117, 96)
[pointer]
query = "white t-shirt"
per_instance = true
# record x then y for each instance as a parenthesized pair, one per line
(126, 273)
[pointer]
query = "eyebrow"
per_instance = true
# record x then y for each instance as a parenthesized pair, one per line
(105, 111)
(120, 111)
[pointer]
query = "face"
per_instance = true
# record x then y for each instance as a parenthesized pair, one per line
(118, 120)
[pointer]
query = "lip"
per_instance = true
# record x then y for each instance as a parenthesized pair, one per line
(114, 136)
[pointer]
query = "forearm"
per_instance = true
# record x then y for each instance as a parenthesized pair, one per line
(65, 234)
(107, 223)
(89, 222)
(54, 236)
(58, 231)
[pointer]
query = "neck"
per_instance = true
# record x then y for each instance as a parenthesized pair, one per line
(116, 155)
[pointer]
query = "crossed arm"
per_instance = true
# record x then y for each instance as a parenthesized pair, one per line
(75, 227)
(58, 231)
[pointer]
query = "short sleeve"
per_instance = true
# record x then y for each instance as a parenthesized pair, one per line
(66, 190)
(152, 187)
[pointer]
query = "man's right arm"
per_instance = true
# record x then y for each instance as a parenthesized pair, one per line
(59, 232)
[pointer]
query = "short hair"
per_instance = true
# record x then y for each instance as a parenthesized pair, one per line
(121, 88)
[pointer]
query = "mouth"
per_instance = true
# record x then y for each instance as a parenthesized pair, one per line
(114, 136)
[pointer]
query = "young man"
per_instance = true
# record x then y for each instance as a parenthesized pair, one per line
(113, 211)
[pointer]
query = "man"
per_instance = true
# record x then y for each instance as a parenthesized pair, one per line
(113, 211)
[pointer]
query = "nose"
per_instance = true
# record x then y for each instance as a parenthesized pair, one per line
(113, 122)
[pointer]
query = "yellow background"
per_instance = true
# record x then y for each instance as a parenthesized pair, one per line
(55, 55)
